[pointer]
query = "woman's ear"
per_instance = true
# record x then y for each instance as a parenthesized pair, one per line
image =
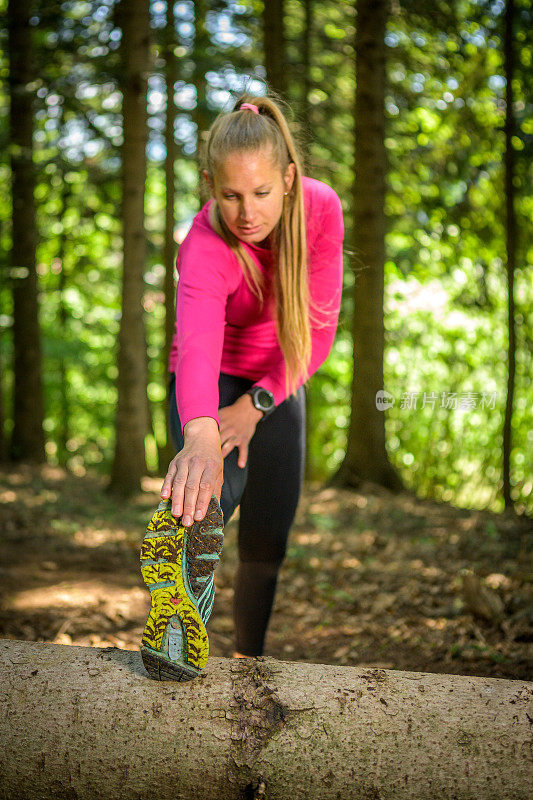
(205, 173)
(289, 176)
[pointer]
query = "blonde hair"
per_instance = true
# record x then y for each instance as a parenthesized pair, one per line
(238, 131)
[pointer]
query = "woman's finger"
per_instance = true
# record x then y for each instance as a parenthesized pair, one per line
(192, 487)
(167, 483)
(207, 488)
(243, 455)
(228, 445)
(178, 488)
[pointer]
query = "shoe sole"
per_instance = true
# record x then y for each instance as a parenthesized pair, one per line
(175, 645)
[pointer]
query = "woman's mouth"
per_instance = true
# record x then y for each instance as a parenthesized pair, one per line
(249, 230)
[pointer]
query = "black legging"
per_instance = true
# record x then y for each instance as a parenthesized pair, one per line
(268, 490)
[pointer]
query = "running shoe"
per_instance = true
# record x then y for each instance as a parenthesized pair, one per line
(177, 565)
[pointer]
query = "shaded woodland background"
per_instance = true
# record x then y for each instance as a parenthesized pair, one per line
(411, 545)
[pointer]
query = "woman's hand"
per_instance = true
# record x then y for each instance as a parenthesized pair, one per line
(196, 472)
(237, 426)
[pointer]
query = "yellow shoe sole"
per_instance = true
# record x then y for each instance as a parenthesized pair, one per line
(177, 565)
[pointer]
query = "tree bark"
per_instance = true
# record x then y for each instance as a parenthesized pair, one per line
(167, 452)
(129, 463)
(366, 456)
(307, 81)
(307, 38)
(82, 722)
(201, 114)
(274, 46)
(510, 244)
(63, 366)
(3, 444)
(27, 439)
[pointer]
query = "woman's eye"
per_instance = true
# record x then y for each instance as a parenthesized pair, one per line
(232, 196)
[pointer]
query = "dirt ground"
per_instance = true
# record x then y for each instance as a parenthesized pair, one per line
(370, 578)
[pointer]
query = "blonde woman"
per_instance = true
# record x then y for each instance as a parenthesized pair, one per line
(257, 305)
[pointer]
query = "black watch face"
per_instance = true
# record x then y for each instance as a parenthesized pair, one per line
(264, 399)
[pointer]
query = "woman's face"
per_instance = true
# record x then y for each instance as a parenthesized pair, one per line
(249, 191)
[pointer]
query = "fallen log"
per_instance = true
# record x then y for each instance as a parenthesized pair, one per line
(80, 723)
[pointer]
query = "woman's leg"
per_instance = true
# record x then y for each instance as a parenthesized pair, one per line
(268, 490)
(276, 462)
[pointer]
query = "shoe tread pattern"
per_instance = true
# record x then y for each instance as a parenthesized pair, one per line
(201, 538)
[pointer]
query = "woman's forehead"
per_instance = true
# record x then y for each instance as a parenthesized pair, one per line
(249, 162)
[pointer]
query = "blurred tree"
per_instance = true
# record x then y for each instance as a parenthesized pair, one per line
(366, 456)
(129, 463)
(307, 38)
(166, 452)
(274, 46)
(510, 242)
(27, 440)
(64, 421)
(3, 442)
(201, 115)
(307, 42)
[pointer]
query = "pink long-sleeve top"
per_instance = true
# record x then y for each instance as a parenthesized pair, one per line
(219, 325)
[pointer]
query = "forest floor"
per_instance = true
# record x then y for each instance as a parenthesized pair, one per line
(371, 578)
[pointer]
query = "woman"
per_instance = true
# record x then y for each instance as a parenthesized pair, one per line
(257, 305)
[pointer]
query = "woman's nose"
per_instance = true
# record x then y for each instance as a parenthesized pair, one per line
(246, 211)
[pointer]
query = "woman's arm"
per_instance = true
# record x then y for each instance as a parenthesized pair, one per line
(208, 274)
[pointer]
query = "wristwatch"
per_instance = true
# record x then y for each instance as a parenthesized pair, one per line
(262, 400)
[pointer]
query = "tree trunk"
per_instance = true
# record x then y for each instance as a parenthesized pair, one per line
(510, 241)
(82, 722)
(201, 115)
(64, 425)
(274, 46)
(167, 452)
(129, 463)
(307, 82)
(366, 456)
(305, 111)
(27, 440)
(3, 448)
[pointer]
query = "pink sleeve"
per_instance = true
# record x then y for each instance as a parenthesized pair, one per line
(325, 287)
(208, 273)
